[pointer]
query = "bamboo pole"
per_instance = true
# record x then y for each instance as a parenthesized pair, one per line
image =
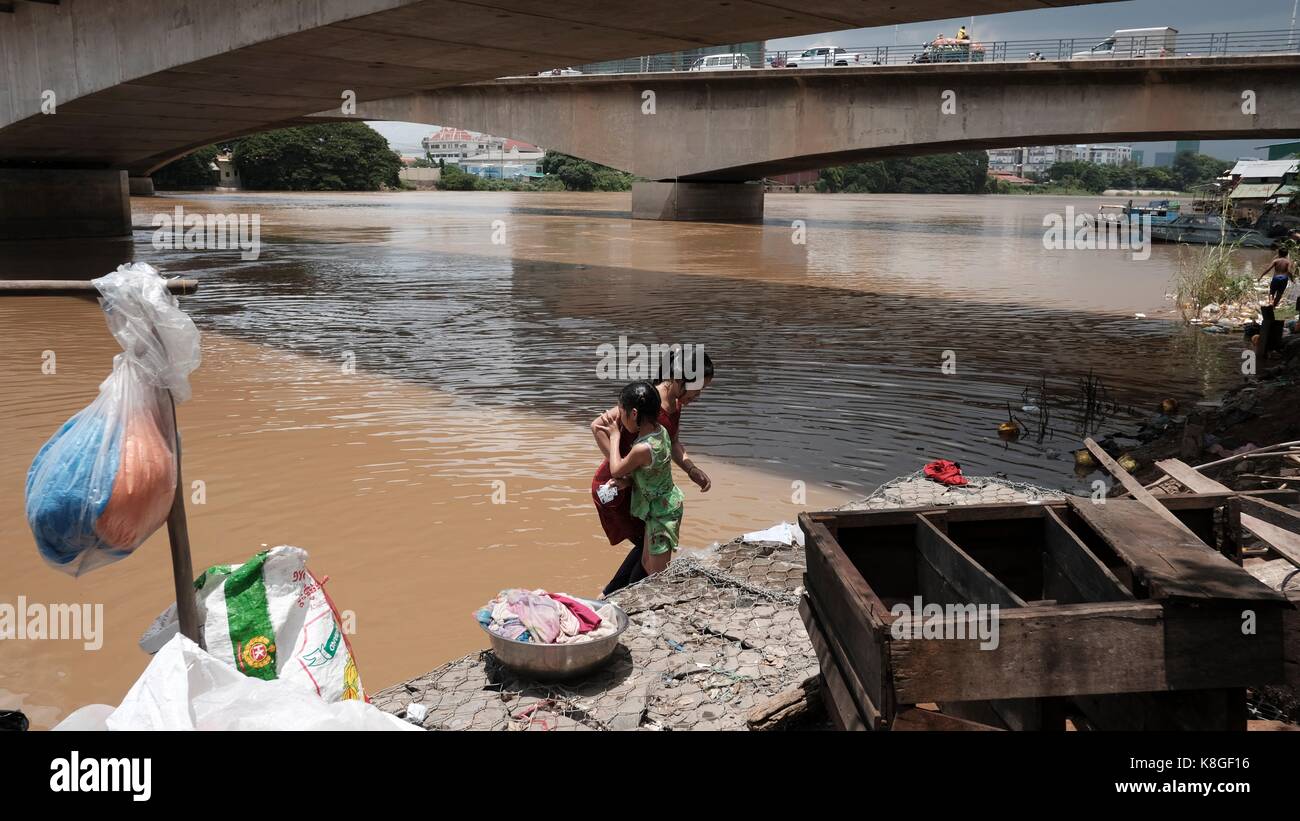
(77, 287)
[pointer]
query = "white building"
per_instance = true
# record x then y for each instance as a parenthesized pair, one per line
(1037, 159)
(512, 159)
(453, 145)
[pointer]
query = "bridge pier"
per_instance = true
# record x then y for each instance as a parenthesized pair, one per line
(141, 186)
(42, 203)
(698, 201)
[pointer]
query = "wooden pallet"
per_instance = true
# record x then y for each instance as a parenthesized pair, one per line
(1107, 614)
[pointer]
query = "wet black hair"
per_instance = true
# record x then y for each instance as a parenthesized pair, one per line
(641, 397)
(1281, 252)
(677, 370)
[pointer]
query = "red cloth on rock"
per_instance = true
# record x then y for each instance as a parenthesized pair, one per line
(945, 472)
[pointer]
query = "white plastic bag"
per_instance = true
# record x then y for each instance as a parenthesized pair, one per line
(106, 480)
(184, 688)
(270, 618)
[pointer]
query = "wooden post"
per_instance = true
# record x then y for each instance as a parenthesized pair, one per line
(178, 537)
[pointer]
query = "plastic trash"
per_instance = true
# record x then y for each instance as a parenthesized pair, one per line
(782, 532)
(416, 713)
(270, 618)
(106, 480)
(185, 688)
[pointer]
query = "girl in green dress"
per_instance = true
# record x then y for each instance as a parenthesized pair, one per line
(656, 500)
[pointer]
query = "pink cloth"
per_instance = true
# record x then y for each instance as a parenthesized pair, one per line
(587, 618)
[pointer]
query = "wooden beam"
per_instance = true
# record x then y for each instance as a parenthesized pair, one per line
(914, 719)
(1280, 526)
(1135, 487)
(971, 583)
(1170, 561)
(841, 706)
(1080, 571)
(1114, 647)
(850, 614)
(77, 287)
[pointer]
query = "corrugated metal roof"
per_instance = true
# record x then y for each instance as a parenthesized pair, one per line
(1265, 168)
(1259, 190)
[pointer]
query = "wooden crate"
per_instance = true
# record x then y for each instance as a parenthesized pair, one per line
(1106, 613)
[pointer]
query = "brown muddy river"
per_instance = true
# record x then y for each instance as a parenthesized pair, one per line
(476, 365)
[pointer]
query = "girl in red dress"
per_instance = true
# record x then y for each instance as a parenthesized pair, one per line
(616, 515)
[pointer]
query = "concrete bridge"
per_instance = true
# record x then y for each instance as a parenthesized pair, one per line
(703, 133)
(95, 88)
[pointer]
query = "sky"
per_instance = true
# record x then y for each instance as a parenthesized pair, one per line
(1092, 22)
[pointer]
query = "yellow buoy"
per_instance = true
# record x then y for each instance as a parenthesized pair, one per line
(1128, 463)
(1083, 458)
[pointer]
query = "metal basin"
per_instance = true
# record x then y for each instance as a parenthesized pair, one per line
(551, 662)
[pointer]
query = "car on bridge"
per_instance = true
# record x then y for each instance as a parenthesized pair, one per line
(721, 62)
(1126, 44)
(824, 57)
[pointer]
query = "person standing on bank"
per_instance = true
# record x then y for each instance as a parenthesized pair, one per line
(615, 512)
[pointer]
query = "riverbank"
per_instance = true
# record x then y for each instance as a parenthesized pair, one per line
(714, 643)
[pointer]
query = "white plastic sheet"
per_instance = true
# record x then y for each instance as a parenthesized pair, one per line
(185, 688)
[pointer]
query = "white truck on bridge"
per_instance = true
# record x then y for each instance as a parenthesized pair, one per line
(1130, 43)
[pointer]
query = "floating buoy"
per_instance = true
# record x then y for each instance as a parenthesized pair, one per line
(1008, 430)
(1083, 458)
(1128, 463)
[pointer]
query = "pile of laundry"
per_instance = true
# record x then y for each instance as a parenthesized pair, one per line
(547, 618)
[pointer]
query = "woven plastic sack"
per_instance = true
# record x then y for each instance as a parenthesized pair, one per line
(105, 481)
(270, 618)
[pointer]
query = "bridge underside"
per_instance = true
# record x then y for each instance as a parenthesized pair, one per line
(738, 127)
(132, 84)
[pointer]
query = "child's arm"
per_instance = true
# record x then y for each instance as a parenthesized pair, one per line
(684, 462)
(1270, 267)
(601, 427)
(638, 457)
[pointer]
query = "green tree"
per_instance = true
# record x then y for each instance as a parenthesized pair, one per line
(194, 170)
(580, 175)
(326, 157)
(963, 173)
(455, 178)
(1192, 169)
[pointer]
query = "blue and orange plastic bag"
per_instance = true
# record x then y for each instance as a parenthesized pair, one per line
(106, 480)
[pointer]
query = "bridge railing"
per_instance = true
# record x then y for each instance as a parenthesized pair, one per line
(951, 50)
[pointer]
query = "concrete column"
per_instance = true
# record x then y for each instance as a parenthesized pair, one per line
(39, 203)
(141, 186)
(698, 201)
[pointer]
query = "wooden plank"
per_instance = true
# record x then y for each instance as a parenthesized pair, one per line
(840, 704)
(843, 604)
(914, 719)
(1280, 532)
(1135, 487)
(1081, 572)
(1114, 647)
(972, 583)
(1280, 526)
(1170, 562)
(1008, 510)
(1190, 477)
